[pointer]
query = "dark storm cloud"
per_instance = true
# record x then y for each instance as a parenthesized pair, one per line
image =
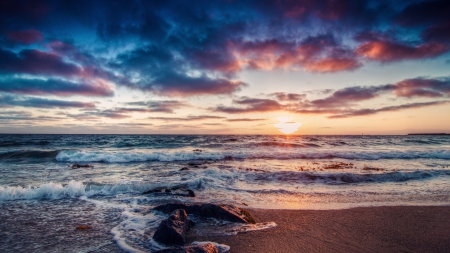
(53, 87)
(25, 36)
(9, 101)
(36, 62)
(192, 48)
(422, 13)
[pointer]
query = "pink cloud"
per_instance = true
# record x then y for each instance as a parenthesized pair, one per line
(25, 37)
(420, 87)
(388, 51)
(332, 65)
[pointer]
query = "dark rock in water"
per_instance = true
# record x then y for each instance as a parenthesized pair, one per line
(152, 191)
(191, 193)
(203, 248)
(184, 168)
(220, 212)
(173, 229)
(76, 166)
(228, 158)
(227, 212)
(193, 163)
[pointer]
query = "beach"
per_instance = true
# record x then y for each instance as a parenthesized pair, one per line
(364, 229)
(97, 193)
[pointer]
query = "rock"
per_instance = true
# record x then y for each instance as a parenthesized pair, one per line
(172, 231)
(195, 163)
(152, 191)
(228, 158)
(83, 227)
(184, 168)
(227, 212)
(190, 193)
(76, 166)
(220, 212)
(199, 248)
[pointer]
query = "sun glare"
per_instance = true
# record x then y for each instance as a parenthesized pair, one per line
(286, 126)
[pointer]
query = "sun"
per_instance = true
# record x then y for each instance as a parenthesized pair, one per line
(286, 125)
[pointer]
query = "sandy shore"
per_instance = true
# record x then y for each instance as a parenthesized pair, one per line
(368, 229)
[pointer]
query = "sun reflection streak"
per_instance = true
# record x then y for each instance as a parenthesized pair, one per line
(286, 126)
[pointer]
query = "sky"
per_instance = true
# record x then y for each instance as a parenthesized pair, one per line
(225, 67)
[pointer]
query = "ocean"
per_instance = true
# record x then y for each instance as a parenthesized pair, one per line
(43, 197)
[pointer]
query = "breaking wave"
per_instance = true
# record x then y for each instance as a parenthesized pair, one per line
(140, 156)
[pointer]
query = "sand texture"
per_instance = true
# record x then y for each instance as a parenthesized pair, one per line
(368, 229)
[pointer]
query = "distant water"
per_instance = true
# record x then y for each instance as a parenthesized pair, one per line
(256, 171)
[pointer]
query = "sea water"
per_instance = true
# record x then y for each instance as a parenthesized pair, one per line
(43, 199)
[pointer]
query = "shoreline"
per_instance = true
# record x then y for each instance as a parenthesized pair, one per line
(359, 229)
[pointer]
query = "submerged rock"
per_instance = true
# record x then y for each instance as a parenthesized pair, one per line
(172, 191)
(191, 193)
(172, 231)
(220, 212)
(199, 248)
(77, 166)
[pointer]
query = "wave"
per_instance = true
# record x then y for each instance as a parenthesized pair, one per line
(27, 143)
(333, 178)
(141, 156)
(24, 154)
(44, 191)
(75, 189)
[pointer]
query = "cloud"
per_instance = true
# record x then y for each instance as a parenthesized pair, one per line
(283, 96)
(422, 87)
(365, 112)
(32, 61)
(438, 32)
(320, 53)
(344, 103)
(182, 85)
(188, 118)
(57, 87)
(181, 49)
(164, 74)
(423, 13)
(244, 120)
(10, 101)
(25, 36)
(167, 106)
(389, 51)
(349, 95)
(247, 105)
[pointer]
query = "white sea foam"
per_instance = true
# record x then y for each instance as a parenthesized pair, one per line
(45, 191)
(256, 153)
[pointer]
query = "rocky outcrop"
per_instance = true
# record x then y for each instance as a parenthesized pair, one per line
(176, 191)
(220, 212)
(201, 248)
(172, 231)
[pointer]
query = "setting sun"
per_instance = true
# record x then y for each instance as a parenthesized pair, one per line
(286, 125)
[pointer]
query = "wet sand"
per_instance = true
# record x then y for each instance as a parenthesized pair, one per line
(367, 229)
